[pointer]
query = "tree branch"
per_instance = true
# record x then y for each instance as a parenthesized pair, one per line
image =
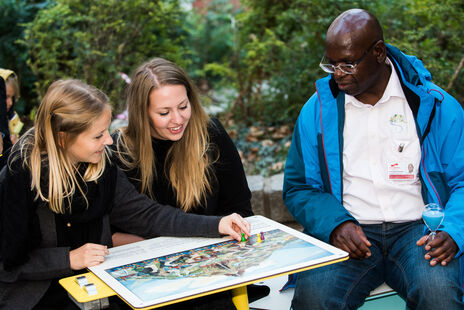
(455, 75)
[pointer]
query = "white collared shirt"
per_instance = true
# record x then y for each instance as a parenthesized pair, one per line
(381, 157)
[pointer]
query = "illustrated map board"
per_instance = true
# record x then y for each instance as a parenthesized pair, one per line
(164, 269)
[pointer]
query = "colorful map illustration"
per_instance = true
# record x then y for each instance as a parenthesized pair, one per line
(213, 264)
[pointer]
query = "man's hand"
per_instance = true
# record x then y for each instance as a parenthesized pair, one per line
(442, 249)
(1, 144)
(350, 237)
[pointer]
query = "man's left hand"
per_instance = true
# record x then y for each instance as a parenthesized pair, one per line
(442, 249)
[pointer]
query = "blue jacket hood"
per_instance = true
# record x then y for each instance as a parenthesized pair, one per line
(412, 66)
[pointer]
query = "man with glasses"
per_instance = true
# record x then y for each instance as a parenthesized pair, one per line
(376, 142)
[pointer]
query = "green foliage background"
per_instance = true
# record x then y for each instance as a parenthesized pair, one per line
(94, 40)
(13, 14)
(265, 54)
(282, 42)
(210, 42)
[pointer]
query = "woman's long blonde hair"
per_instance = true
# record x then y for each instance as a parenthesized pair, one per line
(188, 163)
(69, 107)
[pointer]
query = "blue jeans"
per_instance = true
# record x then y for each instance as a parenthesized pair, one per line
(396, 260)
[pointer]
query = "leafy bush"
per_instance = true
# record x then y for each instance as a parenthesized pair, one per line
(263, 149)
(13, 13)
(211, 41)
(282, 42)
(434, 35)
(94, 40)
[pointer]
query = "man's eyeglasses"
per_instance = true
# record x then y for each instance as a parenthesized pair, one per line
(343, 67)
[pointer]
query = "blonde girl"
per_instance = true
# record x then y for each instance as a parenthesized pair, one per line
(60, 193)
(173, 152)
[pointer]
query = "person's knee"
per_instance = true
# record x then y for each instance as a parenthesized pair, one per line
(311, 291)
(322, 290)
(343, 285)
(437, 289)
(315, 298)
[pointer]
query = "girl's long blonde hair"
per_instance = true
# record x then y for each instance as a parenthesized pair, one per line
(69, 107)
(188, 162)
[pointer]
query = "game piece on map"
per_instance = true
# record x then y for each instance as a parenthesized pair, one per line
(258, 238)
(262, 236)
(243, 237)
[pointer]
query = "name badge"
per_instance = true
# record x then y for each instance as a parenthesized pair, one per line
(401, 170)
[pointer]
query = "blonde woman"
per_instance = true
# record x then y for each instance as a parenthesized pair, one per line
(59, 195)
(173, 152)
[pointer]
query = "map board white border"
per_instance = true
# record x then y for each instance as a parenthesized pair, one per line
(317, 252)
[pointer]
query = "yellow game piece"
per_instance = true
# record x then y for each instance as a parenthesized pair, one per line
(258, 238)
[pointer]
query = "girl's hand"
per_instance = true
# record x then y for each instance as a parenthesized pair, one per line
(233, 225)
(88, 255)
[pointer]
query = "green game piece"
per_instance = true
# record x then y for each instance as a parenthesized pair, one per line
(243, 237)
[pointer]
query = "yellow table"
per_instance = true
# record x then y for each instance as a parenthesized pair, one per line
(86, 301)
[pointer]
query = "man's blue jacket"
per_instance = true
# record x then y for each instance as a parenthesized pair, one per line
(313, 182)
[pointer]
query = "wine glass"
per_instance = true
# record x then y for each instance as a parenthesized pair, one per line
(433, 215)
